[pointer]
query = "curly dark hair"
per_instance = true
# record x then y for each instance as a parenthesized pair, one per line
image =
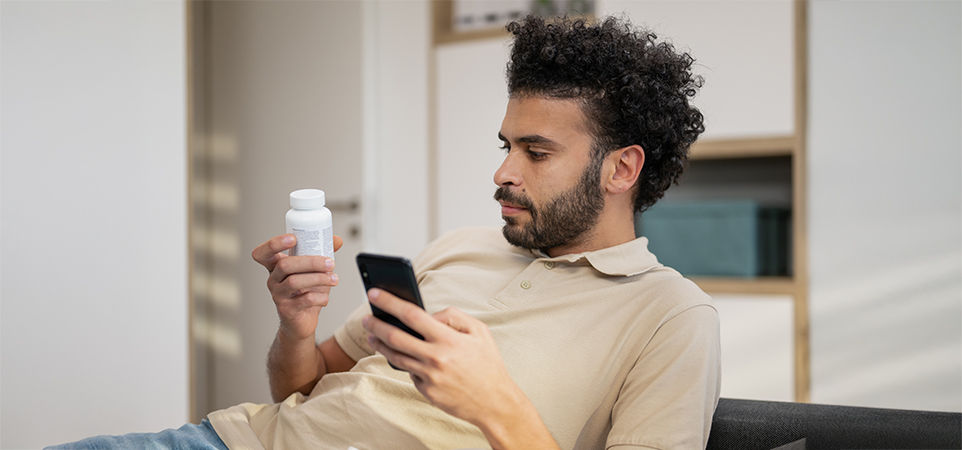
(635, 90)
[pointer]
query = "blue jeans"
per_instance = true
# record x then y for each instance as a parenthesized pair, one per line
(187, 437)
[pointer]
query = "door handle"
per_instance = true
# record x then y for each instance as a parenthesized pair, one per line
(344, 206)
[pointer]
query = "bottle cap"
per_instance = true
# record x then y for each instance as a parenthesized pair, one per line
(307, 199)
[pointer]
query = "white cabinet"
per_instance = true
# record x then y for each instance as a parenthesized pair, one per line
(757, 341)
(471, 96)
(742, 48)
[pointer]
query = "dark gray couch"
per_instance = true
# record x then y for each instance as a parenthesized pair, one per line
(751, 424)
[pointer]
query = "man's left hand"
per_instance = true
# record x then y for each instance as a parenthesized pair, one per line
(459, 369)
(457, 366)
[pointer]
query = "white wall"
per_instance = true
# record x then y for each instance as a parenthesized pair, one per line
(885, 203)
(93, 260)
(396, 126)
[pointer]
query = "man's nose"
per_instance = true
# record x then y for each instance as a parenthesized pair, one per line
(508, 173)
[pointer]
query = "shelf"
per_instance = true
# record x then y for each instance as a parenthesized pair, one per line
(761, 285)
(444, 32)
(759, 147)
(442, 37)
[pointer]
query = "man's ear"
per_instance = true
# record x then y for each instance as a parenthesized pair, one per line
(627, 162)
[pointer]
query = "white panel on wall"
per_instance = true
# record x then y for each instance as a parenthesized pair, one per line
(743, 49)
(397, 125)
(94, 245)
(885, 203)
(285, 97)
(757, 346)
(472, 96)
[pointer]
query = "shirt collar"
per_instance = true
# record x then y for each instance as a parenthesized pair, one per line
(628, 259)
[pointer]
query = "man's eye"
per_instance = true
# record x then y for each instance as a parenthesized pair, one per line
(537, 156)
(505, 147)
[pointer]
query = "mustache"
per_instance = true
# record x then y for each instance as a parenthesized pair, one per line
(521, 200)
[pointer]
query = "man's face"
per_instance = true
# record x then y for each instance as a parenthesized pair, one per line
(549, 184)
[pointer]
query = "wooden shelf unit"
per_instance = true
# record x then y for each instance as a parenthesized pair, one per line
(760, 285)
(443, 31)
(745, 148)
(760, 147)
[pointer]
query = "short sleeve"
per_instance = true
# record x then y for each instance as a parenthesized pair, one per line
(670, 394)
(352, 337)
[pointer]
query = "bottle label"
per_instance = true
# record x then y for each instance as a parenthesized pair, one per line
(327, 238)
(313, 241)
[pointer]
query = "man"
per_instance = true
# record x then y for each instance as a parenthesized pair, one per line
(560, 331)
(569, 334)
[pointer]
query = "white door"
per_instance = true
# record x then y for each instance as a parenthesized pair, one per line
(278, 89)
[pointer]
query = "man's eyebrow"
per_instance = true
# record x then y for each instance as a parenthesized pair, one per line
(531, 139)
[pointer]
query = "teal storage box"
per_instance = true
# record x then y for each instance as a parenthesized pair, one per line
(737, 238)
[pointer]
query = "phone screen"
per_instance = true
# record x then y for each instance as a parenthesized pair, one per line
(395, 275)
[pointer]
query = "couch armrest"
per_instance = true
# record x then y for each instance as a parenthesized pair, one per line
(753, 424)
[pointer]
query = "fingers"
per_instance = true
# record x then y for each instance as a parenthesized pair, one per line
(404, 351)
(297, 275)
(299, 284)
(409, 313)
(290, 265)
(268, 253)
(395, 357)
(457, 319)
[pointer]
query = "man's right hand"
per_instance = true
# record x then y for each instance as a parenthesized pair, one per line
(299, 285)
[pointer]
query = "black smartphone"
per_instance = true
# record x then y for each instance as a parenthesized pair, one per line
(393, 274)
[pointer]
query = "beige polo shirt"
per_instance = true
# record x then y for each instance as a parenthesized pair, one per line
(613, 349)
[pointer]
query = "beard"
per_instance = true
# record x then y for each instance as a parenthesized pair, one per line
(561, 220)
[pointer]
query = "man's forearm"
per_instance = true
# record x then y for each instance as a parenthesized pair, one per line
(517, 425)
(293, 365)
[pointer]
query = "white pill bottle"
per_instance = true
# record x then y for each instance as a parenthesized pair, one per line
(311, 223)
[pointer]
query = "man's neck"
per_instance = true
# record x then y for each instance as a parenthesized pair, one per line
(614, 227)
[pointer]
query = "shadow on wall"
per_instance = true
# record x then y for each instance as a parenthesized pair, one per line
(215, 253)
(918, 369)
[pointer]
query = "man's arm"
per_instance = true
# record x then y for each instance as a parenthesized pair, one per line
(669, 395)
(300, 287)
(458, 369)
(297, 365)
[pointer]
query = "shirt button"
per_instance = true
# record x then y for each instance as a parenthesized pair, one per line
(549, 265)
(525, 284)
